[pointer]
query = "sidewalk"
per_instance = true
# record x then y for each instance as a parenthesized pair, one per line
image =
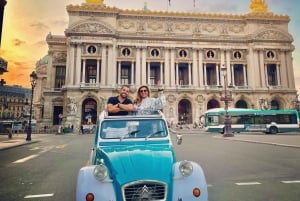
(17, 140)
(281, 139)
(286, 140)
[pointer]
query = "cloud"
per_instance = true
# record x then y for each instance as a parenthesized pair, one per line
(39, 26)
(216, 7)
(2, 52)
(60, 23)
(18, 42)
(41, 43)
(20, 65)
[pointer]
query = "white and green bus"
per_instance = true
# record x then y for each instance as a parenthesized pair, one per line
(245, 120)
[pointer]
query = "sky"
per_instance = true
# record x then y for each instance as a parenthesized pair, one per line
(26, 24)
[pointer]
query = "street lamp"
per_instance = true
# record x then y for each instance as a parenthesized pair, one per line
(33, 78)
(226, 98)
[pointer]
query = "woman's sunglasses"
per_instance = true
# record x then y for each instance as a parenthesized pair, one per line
(143, 90)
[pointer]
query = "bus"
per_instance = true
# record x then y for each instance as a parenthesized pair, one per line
(252, 120)
(13, 125)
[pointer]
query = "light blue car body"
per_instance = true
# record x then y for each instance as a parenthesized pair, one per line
(139, 168)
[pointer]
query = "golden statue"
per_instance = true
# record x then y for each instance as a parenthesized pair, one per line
(258, 6)
(94, 1)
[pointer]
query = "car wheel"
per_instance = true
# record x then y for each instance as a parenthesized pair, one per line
(273, 130)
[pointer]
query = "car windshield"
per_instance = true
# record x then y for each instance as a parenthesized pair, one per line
(133, 129)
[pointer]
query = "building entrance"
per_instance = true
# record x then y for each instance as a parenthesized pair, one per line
(185, 112)
(89, 111)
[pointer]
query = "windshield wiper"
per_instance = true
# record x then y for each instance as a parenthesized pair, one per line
(153, 134)
(133, 132)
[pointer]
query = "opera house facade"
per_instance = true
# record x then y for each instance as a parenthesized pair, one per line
(190, 53)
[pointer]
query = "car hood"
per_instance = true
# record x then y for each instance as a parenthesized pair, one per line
(134, 162)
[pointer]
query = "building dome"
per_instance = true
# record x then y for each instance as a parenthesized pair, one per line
(94, 1)
(43, 60)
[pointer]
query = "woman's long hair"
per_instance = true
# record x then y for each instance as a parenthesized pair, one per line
(138, 98)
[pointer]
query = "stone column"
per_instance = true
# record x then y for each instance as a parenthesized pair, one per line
(252, 68)
(290, 71)
(284, 73)
(49, 84)
(98, 71)
(138, 66)
(245, 75)
(205, 77)
(167, 68)
(119, 72)
(148, 73)
(217, 75)
(112, 65)
(176, 74)
(195, 69)
(83, 71)
(78, 65)
(70, 65)
(161, 73)
(232, 75)
(104, 65)
(266, 81)
(132, 73)
(144, 63)
(190, 74)
(172, 68)
(262, 68)
(278, 74)
(200, 67)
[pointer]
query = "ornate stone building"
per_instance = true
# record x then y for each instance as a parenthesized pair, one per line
(104, 47)
(14, 102)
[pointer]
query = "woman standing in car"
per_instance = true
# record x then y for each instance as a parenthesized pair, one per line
(144, 104)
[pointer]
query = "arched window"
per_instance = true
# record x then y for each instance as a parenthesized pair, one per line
(241, 104)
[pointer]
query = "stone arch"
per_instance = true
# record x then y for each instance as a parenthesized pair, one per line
(185, 111)
(89, 111)
(100, 101)
(276, 103)
(57, 110)
(273, 35)
(91, 27)
(212, 103)
(241, 104)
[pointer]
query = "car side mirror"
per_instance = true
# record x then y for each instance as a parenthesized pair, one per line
(179, 139)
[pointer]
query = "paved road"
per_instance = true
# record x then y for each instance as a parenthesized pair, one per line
(245, 167)
(260, 168)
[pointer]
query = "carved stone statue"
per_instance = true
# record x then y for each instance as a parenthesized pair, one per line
(71, 105)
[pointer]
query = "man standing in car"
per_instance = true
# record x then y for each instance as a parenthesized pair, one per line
(121, 104)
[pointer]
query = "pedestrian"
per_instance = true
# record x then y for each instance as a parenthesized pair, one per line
(121, 104)
(81, 129)
(144, 104)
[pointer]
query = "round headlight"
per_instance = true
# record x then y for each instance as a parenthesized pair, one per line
(186, 168)
(100, 172)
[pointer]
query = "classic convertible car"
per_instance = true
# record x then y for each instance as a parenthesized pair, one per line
(133, 160)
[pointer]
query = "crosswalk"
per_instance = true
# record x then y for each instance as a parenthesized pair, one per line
(43, 149)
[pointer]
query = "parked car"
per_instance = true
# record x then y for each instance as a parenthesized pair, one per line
(133, 160)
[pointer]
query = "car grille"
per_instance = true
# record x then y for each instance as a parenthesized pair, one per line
(144, 191)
